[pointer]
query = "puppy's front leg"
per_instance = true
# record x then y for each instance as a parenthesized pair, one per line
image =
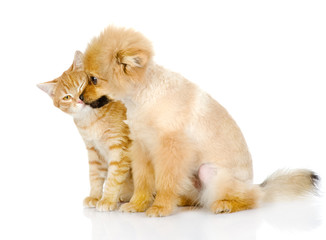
(170, 164)
(143, 177)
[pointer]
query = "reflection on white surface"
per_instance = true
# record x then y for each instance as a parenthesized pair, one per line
(295, 218)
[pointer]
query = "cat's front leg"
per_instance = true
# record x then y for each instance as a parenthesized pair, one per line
(97, 174)
(118, 171)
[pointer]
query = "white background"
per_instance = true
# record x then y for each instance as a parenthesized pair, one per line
(263, 60)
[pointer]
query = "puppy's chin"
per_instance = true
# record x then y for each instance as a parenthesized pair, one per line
(99, 102)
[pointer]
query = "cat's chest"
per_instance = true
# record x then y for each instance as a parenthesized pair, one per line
(90, 133)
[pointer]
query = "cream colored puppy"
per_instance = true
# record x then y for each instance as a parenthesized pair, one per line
(179, 134)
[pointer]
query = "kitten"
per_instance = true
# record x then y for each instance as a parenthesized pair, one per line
(104, 132)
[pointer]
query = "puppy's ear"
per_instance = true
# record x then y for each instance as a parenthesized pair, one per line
(48, 87)
(132, 60)
(78, 64)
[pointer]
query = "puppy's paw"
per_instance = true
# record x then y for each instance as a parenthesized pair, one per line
(105, 205)
(221, 206)
(158, 211)
(90, 202)
(132, 207)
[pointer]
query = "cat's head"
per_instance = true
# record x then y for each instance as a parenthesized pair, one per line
(66, 89)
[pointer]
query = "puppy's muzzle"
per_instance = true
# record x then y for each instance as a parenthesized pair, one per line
(100, 102)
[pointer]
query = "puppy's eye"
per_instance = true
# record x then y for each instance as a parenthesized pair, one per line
(68, 97)
(94, 80)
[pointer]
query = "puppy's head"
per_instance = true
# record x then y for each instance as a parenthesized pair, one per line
(115, 62)
(94, 93)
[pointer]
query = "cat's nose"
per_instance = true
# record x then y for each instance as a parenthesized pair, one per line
(81, 97)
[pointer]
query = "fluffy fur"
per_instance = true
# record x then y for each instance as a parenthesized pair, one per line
(178, 132)
(105, 135)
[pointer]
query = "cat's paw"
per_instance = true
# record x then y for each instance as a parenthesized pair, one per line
(158, 211)
(105, 205)
(90, 202)
(132, 207)
(125, 197)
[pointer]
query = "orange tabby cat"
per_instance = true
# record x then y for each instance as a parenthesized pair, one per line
(104, 132)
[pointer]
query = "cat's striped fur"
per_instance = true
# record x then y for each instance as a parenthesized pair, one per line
(105, 134)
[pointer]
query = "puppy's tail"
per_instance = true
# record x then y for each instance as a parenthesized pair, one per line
(221, 192)
(289, 184)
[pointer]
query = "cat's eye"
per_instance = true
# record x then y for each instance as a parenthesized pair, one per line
(68, 97)
(94, 80)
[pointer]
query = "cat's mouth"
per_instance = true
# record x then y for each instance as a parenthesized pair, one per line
(100, 102)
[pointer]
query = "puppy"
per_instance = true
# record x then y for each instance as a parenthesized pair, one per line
(178, 131)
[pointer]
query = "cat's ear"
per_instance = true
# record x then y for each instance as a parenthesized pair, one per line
(48, 87)
(78, 64)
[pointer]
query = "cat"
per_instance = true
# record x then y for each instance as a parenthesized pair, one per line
(179, 131)
(104, 132)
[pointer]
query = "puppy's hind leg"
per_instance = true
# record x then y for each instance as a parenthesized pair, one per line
(222, 193)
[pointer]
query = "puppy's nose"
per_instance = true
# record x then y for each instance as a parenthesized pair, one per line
(81, 97)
